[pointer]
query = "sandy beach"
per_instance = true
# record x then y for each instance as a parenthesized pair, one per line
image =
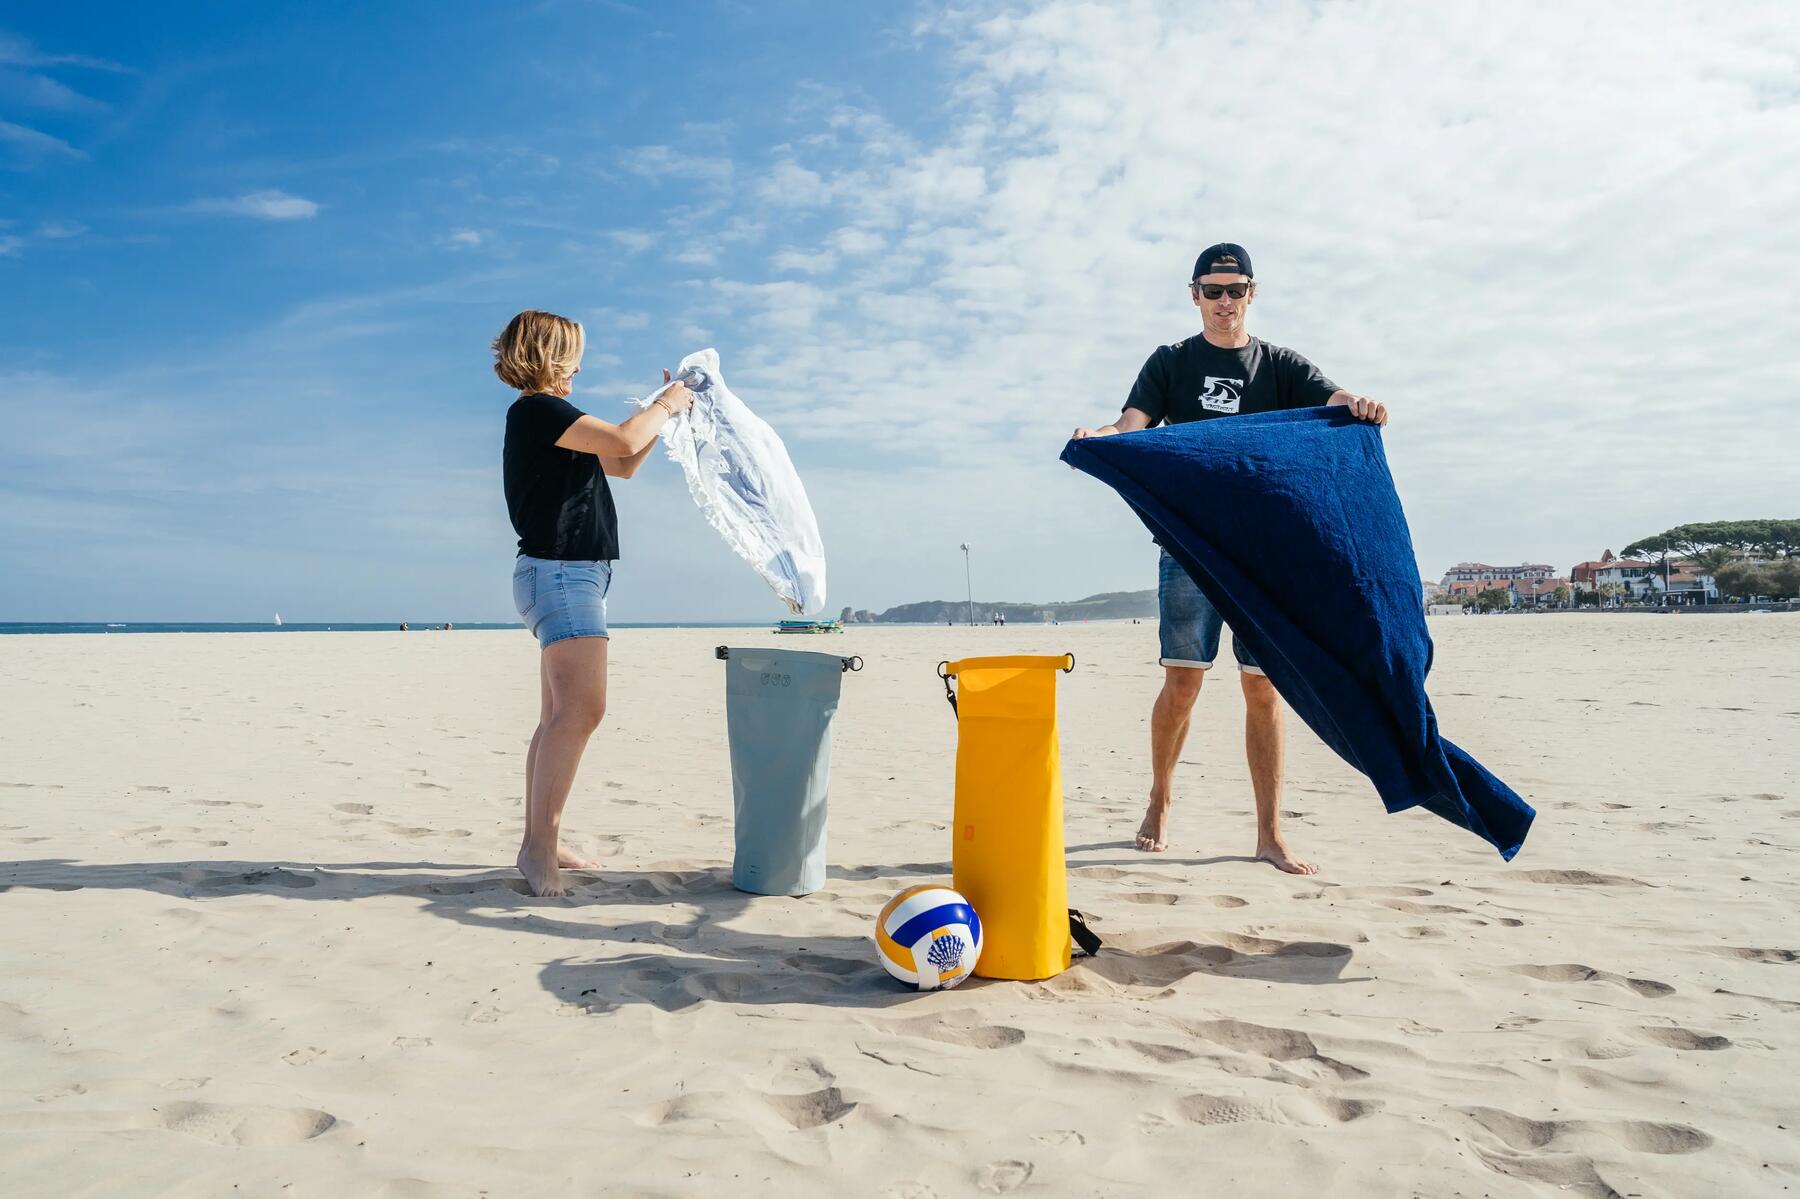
(255, 940)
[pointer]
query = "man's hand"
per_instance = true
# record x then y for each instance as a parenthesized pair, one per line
(1084, 431)
(1361, 407)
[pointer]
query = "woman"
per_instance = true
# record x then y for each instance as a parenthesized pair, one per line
(557, 459)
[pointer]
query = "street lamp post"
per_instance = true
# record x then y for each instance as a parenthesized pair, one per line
(968, 580)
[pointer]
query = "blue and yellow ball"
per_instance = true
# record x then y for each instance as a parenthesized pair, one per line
(928, 937)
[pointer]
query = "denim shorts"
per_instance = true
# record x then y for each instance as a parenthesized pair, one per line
(558, 600)
(1188, 624)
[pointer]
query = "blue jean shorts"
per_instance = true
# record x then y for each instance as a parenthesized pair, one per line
(1188, 624)
(558, 600)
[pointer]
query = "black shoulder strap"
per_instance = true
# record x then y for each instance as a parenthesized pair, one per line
(1084, 936)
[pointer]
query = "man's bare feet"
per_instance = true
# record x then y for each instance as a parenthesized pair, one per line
(1274, 851)
(568, 859)
(541, 876)
(1153, 834)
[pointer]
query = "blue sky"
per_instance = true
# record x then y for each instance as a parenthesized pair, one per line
(251, 256)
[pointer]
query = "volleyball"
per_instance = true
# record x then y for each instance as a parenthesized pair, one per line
(928, 937)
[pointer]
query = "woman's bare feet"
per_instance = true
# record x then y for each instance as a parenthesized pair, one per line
(568, 859)
(1274, 851)
(541, 874)
(1153, 834)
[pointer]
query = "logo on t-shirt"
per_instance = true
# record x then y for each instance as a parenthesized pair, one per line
(1222, 395)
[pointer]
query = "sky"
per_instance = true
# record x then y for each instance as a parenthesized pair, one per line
(252, 256)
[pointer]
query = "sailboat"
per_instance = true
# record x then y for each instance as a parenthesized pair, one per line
(277, 618)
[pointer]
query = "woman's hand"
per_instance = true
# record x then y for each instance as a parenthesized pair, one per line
(677, 398)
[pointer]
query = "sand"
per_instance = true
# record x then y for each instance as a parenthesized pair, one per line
(254, 941)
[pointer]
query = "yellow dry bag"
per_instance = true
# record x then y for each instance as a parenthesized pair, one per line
(1008, 850)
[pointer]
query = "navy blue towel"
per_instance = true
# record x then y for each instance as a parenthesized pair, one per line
(1290, 524)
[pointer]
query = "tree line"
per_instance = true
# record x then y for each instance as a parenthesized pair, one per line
(1718, 548)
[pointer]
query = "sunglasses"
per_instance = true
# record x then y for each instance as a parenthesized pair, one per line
(1213, 291)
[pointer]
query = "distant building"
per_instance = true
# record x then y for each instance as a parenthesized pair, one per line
(1644, 582)
(1629, 573)
(1531, 592)
(1488, 576)
(1686, 585)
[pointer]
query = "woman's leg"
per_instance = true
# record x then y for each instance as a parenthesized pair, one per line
(537, 735)
(574, 672)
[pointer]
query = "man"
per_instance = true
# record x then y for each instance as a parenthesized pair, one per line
(1223, 372)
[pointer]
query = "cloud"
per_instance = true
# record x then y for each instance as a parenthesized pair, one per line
(790, 185)
(632, 241)
(28, 147)
(1481, 238)
(619, 319)
(464, 239)
(270, 205)
(16, 51)
(10, 246)
(30, 90)
(664, 162)
(803, 262)
(59, 230)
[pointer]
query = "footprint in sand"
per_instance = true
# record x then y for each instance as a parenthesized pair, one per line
(251, 1127)
(354, 809)
(1000, 1178)
(1523, 1134)
(975, 1036)
(1676, 1037)
(1780, 1005)
(1574, 972)
(1275, 1044)
(1580, 878)
(811, 1110)
(229, 1125)
(212, 880)
(1059, 1136)
(301, 1057)
(1317, 1111)
(1160, 1053)
(1745, 954)
(806, 963)
(466, 886)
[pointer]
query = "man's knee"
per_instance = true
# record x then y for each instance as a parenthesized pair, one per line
(1259, 692)
(1181, 685)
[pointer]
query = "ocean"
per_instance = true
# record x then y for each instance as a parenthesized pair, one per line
(339, 627)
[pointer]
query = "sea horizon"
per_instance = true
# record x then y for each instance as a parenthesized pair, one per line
(341, 626)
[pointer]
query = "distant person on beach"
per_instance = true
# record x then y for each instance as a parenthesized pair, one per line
(1222, 372)
(556, 462)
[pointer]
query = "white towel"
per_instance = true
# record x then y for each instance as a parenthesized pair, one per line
(745, 484)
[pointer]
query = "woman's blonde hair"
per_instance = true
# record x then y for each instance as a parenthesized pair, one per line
(538, 350)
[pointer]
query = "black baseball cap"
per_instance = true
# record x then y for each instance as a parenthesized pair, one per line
(1225, 249)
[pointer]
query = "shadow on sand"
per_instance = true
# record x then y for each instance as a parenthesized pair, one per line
(676, 944)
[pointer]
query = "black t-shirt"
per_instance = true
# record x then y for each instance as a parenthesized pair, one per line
(560, 504)
(1196, 380)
